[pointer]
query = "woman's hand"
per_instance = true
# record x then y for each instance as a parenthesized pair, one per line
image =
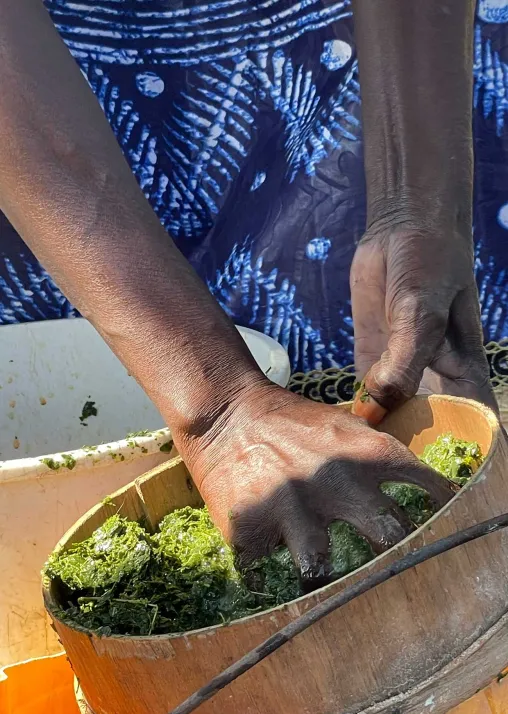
(415, 304)
(282, 468)
(417, 319)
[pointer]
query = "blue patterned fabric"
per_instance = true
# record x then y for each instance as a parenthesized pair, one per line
(240, 120)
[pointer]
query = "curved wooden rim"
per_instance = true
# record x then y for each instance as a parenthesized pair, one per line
(53, 607)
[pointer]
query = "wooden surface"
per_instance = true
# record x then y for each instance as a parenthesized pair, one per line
(424, 641)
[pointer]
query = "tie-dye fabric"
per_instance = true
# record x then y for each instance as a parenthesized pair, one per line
(240, 120)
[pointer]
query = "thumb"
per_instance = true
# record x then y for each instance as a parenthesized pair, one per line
(417, 331)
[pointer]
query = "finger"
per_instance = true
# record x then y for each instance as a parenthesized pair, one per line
(380, 521)
(366, 407)
(438, 487)
(463, 365)
(417, 332)
(368, 283)
(368, 286)
(255, 531)
(309, 545)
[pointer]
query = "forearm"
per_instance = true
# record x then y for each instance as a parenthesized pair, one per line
(415, 61)
(67, 189)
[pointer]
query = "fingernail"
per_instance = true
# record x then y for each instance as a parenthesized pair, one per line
(315, 572)
(366, 407)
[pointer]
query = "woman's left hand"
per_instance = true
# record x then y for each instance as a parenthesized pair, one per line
(417, 319)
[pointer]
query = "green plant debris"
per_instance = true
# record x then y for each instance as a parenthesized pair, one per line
(166, 448)
(117, 457)
(134, 445)
(414, 501)
(67, 461)
(454, 458)
(89, 410)
(52, 464)
(124, 580)
(348, 550)
(137, 434)
(359, 388)
(119, 549)
(273, 580)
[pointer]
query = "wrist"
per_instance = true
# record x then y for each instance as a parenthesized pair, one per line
(230, 426)
(221, 403)
(418, 180)
(447, 215)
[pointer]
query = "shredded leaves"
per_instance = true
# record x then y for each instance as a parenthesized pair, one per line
(124, 580)
(453, 458)
(134, 434)
(117, 550)
(89, 410)
(66, 460)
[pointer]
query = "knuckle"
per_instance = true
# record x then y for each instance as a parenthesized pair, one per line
(394, 382)
(419, 310)
(374, 236)
(255, 530)
(382, 448)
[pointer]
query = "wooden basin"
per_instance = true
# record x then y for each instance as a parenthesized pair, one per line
(422, 642)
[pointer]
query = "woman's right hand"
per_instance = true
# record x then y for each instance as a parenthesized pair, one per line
(280, 469)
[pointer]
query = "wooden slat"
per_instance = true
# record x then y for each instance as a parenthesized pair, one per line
(168, 487)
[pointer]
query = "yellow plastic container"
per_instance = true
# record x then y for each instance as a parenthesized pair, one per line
(39, 686)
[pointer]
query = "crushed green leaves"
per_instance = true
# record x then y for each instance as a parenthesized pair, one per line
(454, 458)
(66, 460)
(118, 549)
(125, 580)
(89, 410)
(52, 464)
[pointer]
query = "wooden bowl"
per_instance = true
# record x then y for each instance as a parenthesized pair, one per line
(422, 642)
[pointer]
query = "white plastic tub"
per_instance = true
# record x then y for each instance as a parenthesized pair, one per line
(54, 376)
